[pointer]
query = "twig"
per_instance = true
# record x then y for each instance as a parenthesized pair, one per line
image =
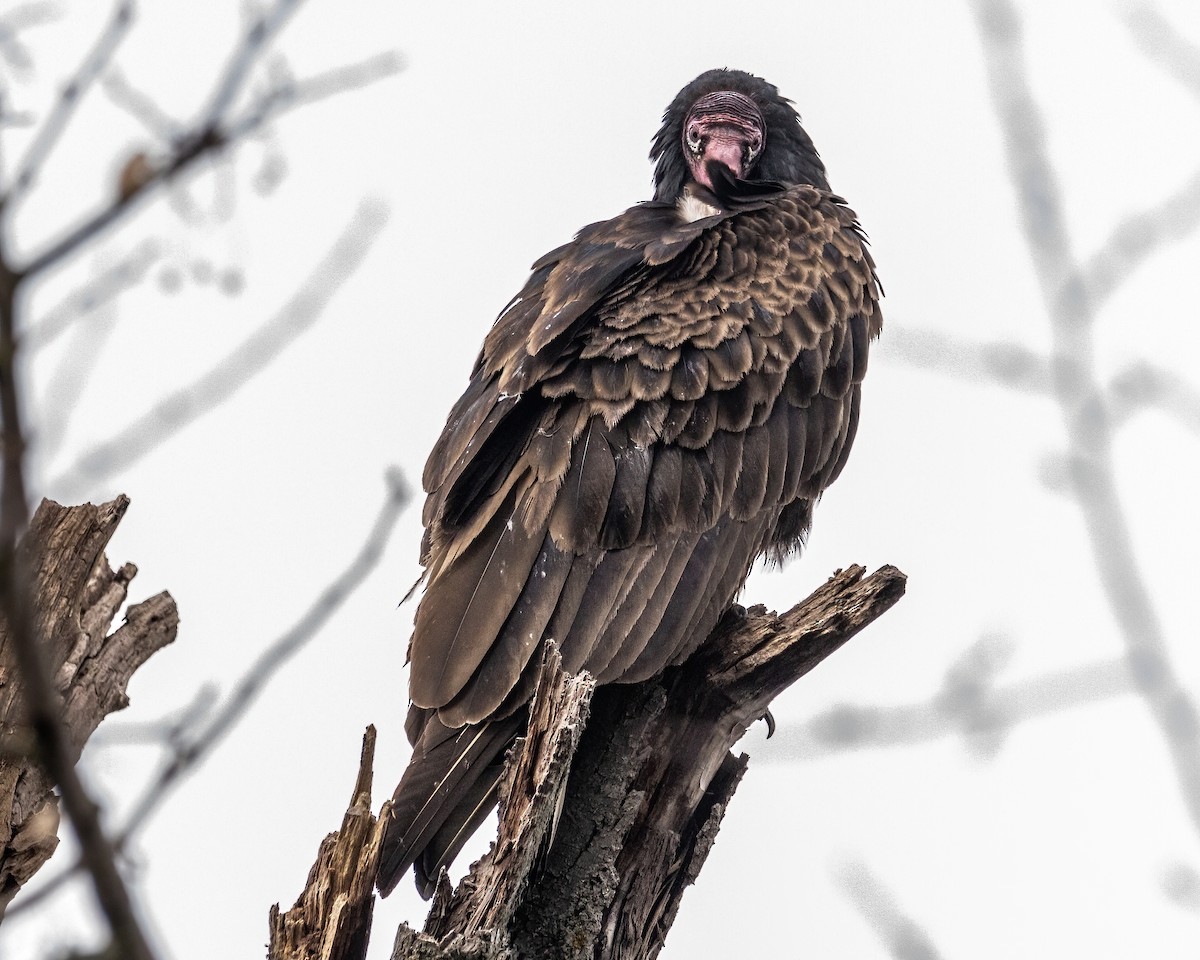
(206, 138)
(1137, 238)
(1163, 44)
(261, 32)
(167, 730)
(983, 717)
(290, 94)
(54, 124)
(1140, 386)
(1143, 386)
(100, 289)
(180, 408)
(1088, 418)
(189, 754)
(139, 105)
(13, 22)
(901, 935)
(1006, 364)
(26, 15)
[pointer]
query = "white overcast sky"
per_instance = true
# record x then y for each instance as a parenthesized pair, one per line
(512, 126)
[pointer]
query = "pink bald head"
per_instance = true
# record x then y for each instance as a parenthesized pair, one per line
(726, 128)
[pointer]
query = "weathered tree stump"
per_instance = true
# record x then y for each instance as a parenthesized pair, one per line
(611, 803)
(76, 594)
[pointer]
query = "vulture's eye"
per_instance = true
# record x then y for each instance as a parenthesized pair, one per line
(753, 150)
(693, 138)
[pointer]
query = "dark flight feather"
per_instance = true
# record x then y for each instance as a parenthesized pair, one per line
(659, 406)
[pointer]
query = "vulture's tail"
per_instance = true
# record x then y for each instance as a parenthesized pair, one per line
(447, 791)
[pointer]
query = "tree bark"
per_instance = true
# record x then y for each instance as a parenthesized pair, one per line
(76, 596)
(612, 801)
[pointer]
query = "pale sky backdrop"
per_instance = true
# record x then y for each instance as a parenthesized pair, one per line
(1064, 834)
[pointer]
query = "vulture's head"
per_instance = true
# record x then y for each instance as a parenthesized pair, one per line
(731, 125)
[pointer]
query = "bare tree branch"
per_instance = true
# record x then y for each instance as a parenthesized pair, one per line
(983, 715)
(260, 34)
(194, 747)
(1007, 364)
(139, 105)
(167, 730)
(43, 707)
(901, 935)
(650, 777)
(289, 94)
(1165, 46)
(77, 595)
(126, 272)
(68, 99)
(1089, 420)
(1140, 386)
(253, 355)
(31, 676)
(192, 735)
(170, 732)
(66, 385)
(1137, 238)
(206, 138)
(19, 18)
(1145, 387)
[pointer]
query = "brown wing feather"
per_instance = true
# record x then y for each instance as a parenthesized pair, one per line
(624, 639)
(611, 582)
(511, 652)
(467, 604)
(695, 594)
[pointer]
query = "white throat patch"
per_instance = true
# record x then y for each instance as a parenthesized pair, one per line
(692, 208)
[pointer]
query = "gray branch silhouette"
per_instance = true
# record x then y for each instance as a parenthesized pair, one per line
(900, 934)
(1086, 407)
(68, 100)
(172, 413)
(221, 126)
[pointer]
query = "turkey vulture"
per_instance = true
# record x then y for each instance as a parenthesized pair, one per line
(662, 404)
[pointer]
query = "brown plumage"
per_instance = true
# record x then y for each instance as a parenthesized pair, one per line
(662, 404)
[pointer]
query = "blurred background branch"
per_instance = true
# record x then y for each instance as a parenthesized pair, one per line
(250, 357)
(901, 936)
(1085, 404)
(180, 148)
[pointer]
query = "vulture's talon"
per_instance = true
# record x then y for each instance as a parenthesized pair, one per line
(734, 614)
(770, 720)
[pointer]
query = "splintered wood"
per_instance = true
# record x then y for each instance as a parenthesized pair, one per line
(332, 918)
